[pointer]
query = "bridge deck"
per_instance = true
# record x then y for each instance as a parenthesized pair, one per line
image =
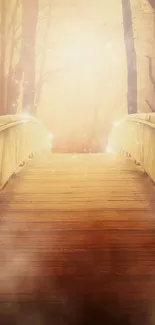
(68, 207)
(65, 182)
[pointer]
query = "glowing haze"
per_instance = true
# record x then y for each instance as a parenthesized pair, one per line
(87, 59)
(85, 53)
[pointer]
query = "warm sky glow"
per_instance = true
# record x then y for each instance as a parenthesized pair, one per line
(81, 60)
(86, 54)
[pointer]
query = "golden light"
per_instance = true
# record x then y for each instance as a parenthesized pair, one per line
(50, 136)
(109, 149)
(82, 52)
(26, 115)
(116, 123)
(85, 56)
(77, 49)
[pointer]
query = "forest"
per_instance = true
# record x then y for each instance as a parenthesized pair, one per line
(92, 49)
(22, 67)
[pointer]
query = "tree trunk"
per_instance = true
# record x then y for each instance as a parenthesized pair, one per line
(29, 25)
(131, 57)
(13, 77)
(152, 3)
(2, 56)
(43, 56)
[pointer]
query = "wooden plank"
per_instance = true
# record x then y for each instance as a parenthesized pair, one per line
(82, 222)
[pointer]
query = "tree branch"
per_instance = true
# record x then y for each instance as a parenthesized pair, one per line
(150, 106)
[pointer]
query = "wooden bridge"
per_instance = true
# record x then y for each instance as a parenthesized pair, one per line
(77, 230)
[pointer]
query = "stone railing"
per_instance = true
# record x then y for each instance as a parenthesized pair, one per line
(135, 136)
(20, 138)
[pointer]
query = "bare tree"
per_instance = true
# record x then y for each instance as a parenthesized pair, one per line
(13, 77)
(42, 75)
(28, 55)
(152, 3)
(131, 57)
(152, 80)
(2, 56)
(10, 37)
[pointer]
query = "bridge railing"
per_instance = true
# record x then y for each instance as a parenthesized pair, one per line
(20, 138)
(135, 136)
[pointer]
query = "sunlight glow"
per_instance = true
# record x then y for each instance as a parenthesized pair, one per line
(116, 123)
(26, 115)
(78, 51)
(50, 136)
(109, 150)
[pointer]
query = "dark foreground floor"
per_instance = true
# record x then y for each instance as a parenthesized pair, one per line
(77, 243)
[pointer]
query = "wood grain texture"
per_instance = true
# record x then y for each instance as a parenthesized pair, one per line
(78, 231)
